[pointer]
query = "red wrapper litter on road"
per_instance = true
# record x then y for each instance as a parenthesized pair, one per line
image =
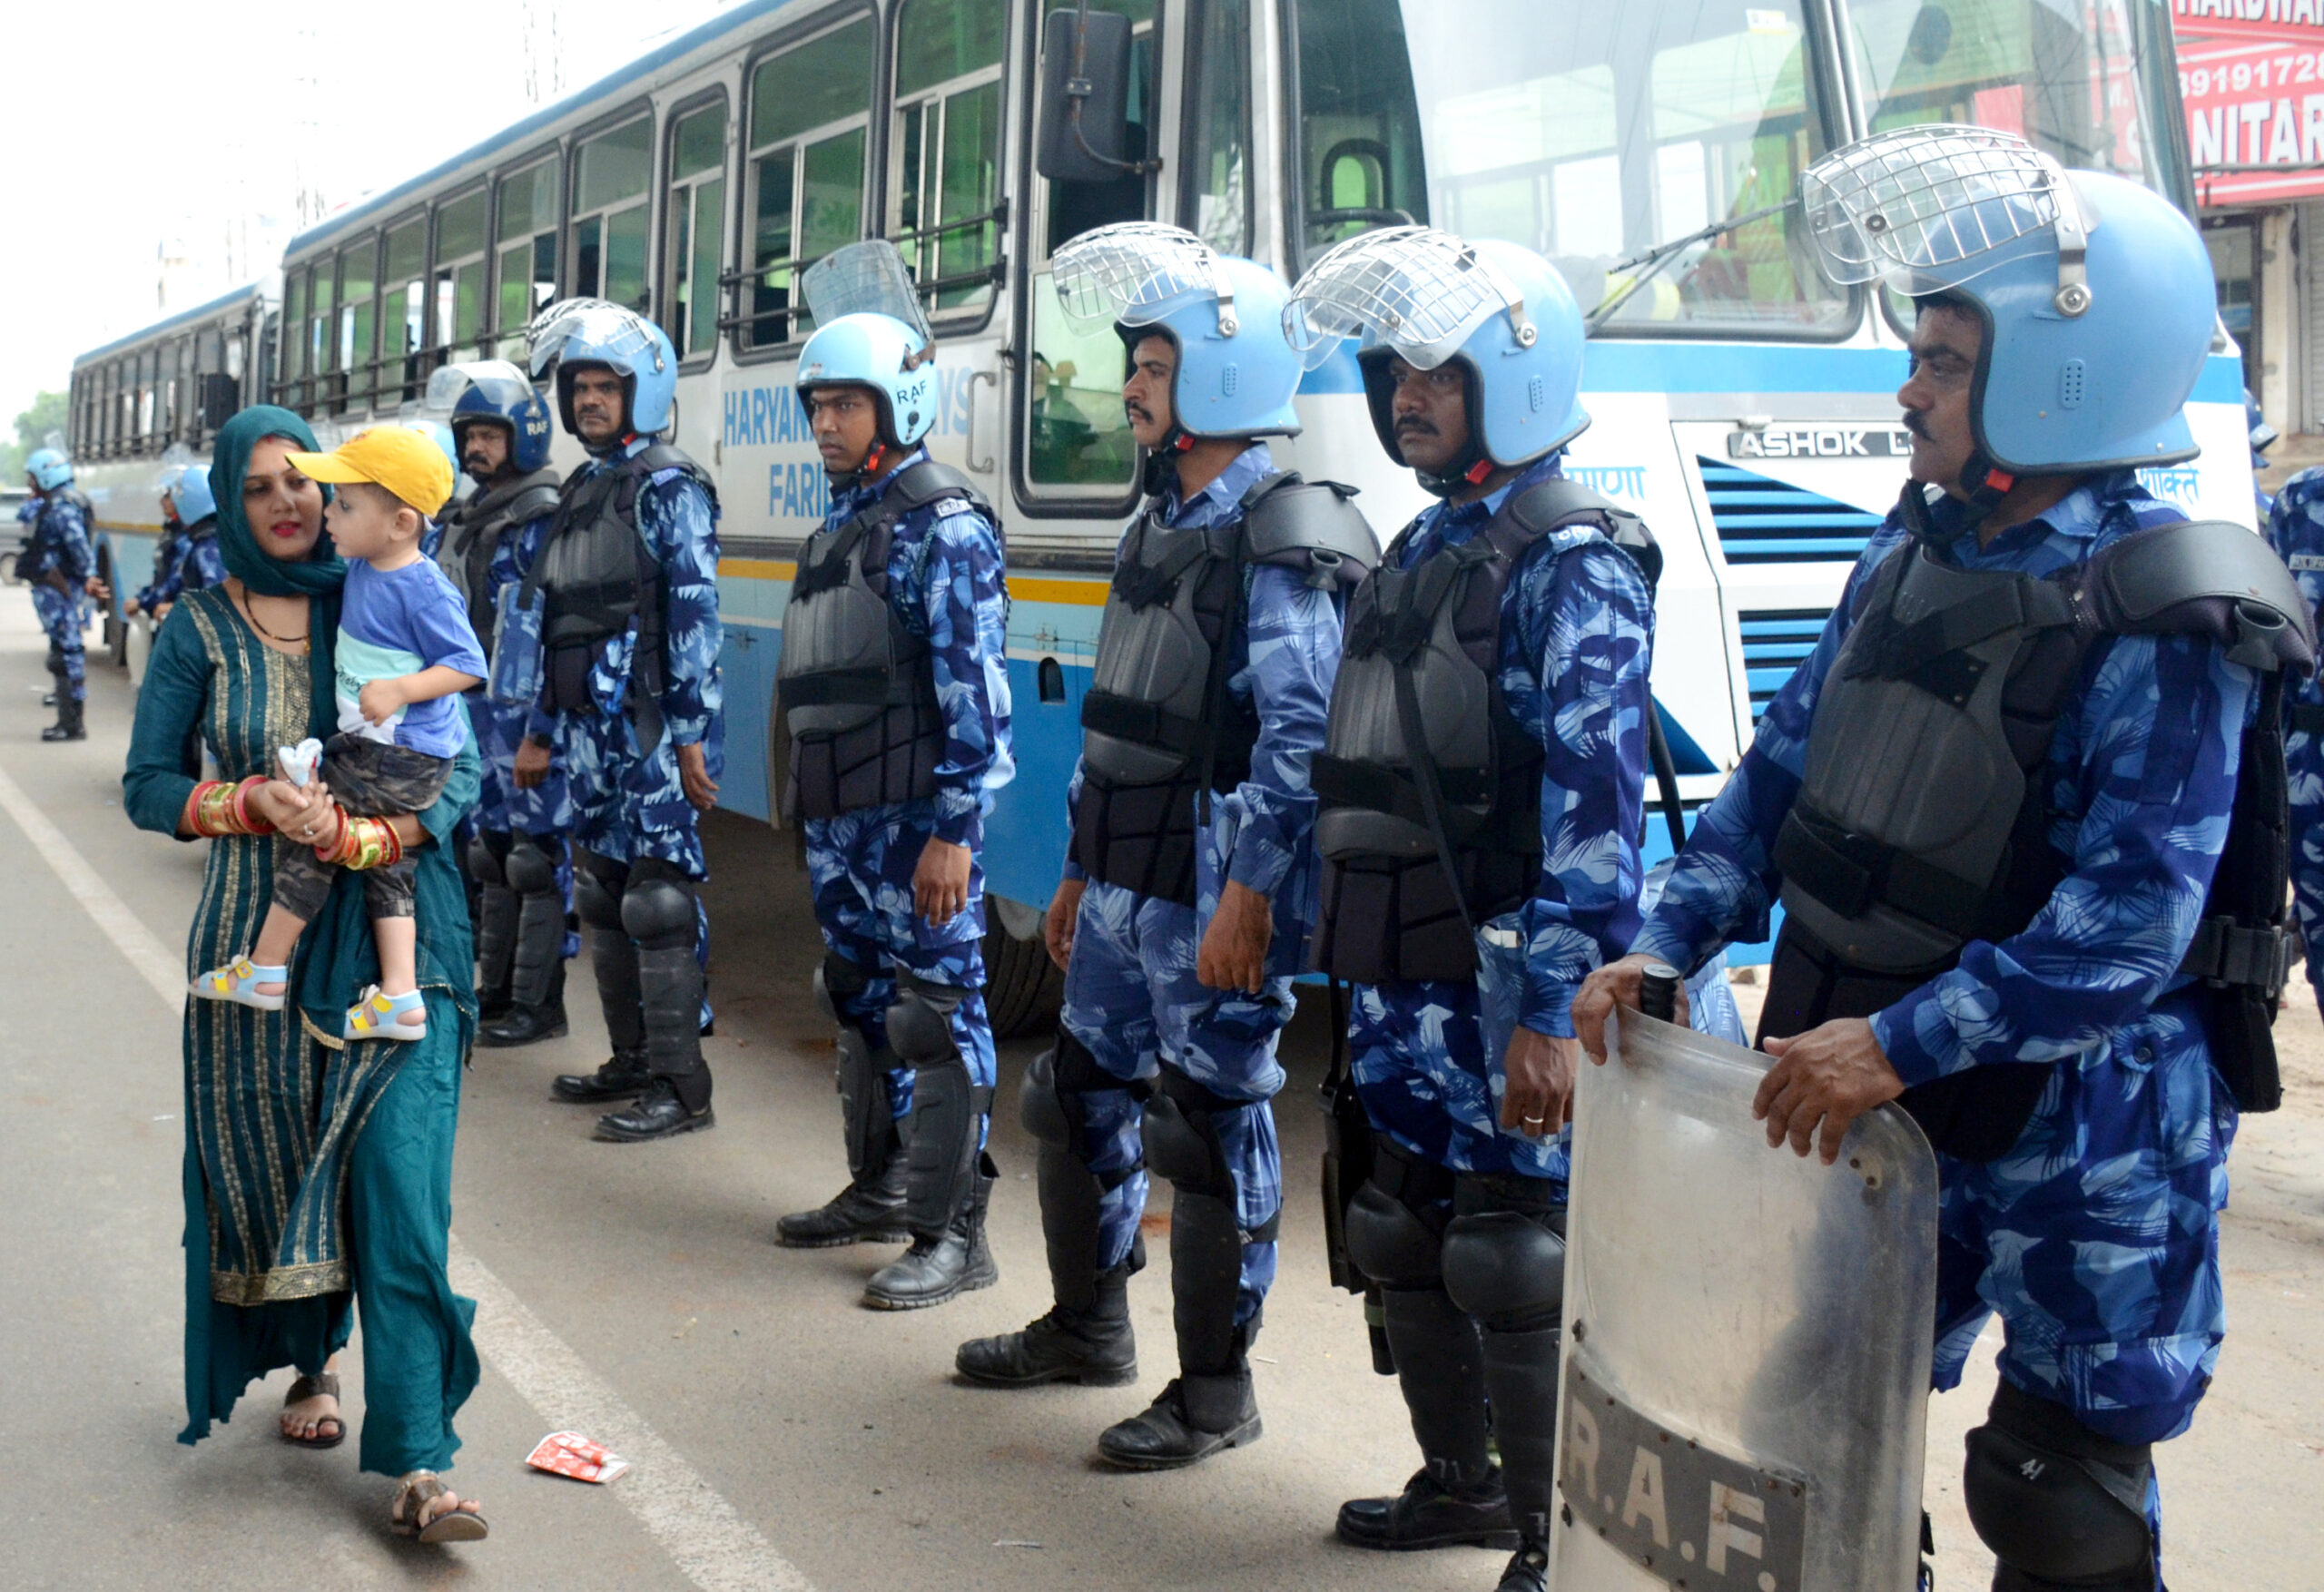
(568, 1453)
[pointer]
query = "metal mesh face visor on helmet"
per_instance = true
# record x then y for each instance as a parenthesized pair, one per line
(1138, 273)
(1416, 290)
(1926, 209)
(864, 278)
(580, 331)
(174, 459)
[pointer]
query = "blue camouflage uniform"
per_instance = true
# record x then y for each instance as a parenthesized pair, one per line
(58, 565)
(504, 808)
(2296, 526)
(1577, 637)
(183, 563)
(1131, 996)
(945, 581)
(2096, 1237)
(627, 803)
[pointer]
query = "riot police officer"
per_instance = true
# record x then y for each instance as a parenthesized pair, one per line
(517, 855)
(1189, 887)
(2023, 808)
(2296, 528)
(894, 688)
(1482, 788)
(60, 563)
(618, 620)
(188, 559)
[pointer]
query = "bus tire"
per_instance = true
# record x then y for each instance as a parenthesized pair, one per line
(1021, 985)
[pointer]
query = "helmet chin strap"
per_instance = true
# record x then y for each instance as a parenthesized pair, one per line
(865, 471)
(1470, 469)
(1983, 485)
(1161, 472)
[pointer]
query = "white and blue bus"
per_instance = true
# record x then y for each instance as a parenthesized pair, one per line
(1743, 405)
(138, 398)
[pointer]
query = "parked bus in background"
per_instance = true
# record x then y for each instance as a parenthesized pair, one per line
(1741, 404)
(135, 398)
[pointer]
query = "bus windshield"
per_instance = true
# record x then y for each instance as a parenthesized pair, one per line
(1593, 132)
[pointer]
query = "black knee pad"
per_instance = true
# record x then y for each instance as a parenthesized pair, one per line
(530, 870)
(657, 913)
(1390, 1243)
(838, 980)
(484, 861)
(1040, 1106)
(2058, 1504)
(598, 885)
(920, 1027)
(1181, 1133)
(1505, 1268)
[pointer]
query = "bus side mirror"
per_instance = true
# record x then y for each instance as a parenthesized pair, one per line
(220, 396)
(1084, 135)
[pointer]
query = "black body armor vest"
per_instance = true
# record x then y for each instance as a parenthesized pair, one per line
(1159, 727)
(856, 686)
(1923, 823)
(598, 574)
(41, 548)
(1431, 790)
(472, 536)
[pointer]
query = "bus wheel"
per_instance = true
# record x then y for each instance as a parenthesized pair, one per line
(1021, 985)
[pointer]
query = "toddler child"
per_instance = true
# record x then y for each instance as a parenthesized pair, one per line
(405, 652)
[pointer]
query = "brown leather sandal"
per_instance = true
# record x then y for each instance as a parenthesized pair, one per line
(329, 1430)
(414, 1493)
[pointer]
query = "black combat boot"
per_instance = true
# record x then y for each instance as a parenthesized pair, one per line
(1090, 1344)
(660, 1113)
(625, 1074)
(1458, 1498)
(1211, 1405)
(1528, 1570)
(869, 1210)
(69, 725)
(1194, 1418)
(940, 1266)
(523, 1023)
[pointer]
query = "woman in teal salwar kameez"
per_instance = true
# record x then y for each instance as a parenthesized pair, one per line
(318, 1172)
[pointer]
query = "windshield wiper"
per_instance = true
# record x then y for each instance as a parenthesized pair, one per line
(1662, 254)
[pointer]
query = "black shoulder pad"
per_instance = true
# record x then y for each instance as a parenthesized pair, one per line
(1311, 525)
(534, 501)
(2206, 578)
(1552, 505)
(930, 481)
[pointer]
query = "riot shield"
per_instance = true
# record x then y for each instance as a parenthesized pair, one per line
(1748, 1336)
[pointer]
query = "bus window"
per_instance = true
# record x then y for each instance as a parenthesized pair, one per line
(359, 281)
(458, 280)
(609, 214)
(403, 313)
(811, 113)
(944, 154)
(1217, 201)
(1588, 135)
(321, 334)
(293, 392)
(526, 242)
(2072, 79)
(693, 237)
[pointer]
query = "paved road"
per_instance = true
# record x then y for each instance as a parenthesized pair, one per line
(785, 1437)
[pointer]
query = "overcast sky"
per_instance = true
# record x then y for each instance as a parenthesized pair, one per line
(127, 124)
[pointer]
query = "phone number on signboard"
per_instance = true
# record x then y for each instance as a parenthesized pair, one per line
(2268, 72)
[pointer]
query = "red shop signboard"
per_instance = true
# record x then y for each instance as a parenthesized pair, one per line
(2252, 72)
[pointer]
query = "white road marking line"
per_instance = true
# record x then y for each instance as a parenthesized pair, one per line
(712, 1544)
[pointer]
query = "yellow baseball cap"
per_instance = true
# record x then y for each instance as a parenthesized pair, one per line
(406, 462)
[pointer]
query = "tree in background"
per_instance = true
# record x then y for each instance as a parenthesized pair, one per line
(33, 426)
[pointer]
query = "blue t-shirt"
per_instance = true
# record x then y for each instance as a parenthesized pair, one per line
(397, 621)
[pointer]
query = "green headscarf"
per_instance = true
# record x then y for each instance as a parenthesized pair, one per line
(322, 571)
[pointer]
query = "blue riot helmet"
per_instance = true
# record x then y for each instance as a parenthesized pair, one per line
(591, 332)
(49, 468)
(1501, 313)
(2096, 294)
(870, 332)
(496, 391)
(190, 492)
(1235, 377)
